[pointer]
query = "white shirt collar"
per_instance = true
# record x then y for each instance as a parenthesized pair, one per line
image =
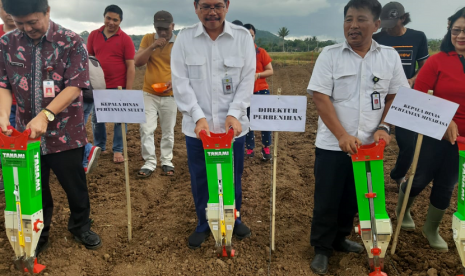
(374, 46)
(227, 29)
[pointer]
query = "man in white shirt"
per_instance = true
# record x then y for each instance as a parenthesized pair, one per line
(353, 86)
(203, 56)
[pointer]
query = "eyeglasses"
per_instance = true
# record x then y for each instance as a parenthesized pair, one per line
(457, 31)
(216, 8)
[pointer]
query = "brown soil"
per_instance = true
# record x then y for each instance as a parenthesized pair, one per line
(163, 216)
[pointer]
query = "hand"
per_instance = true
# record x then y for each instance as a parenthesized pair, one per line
(38, 126)
(235, 124)
(452, 133)
(4, 123)
(159, 43)
(201, 124)
(411, 82)
(256, 76)
(382, 135)
(169, 87)
(349, 144)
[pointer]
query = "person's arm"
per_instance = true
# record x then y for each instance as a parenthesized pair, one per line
(265, 74)
(184, 94)
(423, 55)
(327, 113)
(412, 81)
(5, 109)
(382, 134)
(130, 74)
(90, 44)
(243, 91)
(146, 50)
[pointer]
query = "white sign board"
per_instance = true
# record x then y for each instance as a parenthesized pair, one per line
(278, 113)
(119, 106)
(421, 113)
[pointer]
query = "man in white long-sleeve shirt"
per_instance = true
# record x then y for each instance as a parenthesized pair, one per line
(205, 56)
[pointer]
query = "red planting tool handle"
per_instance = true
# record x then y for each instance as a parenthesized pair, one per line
(217, 140)
(17, 140)
(370, 152)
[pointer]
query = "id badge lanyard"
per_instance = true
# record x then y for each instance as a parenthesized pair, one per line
(227, 83)
(49, 84)
(375, 96)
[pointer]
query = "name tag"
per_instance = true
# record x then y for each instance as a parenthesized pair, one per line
(376, 101)
(227, 85)
(49, 89)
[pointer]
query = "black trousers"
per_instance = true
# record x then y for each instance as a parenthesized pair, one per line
(335, 200)
(406, 140)
(68, 169)
(438, 162)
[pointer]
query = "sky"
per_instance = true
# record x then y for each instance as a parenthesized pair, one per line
(304, 18)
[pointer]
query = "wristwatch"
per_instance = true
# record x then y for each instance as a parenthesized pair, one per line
(385, 127)
(49, 114)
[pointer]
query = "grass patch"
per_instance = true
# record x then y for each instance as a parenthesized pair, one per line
(296, 56)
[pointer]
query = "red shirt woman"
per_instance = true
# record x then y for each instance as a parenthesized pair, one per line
(444, 73)
(263, 71)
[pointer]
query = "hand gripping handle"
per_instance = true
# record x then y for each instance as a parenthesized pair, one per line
(217, 140)
(17, 140)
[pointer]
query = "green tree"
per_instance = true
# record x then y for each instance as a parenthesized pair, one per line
(283, 32)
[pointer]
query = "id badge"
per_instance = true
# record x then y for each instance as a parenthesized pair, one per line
(49, 89)
(227, 85)
(376, 101)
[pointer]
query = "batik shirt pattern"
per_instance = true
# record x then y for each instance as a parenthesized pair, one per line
(23, 69)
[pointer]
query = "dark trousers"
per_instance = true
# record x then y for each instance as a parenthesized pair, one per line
(406, 140)
(266, 135)
(67, 166)
(335, 200)
(198, 172)
(438, 162)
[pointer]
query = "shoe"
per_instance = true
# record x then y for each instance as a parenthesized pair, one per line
(2, 186)
(407, 223)
(349, 246)
(92, 159)
(197, 238)
(250, 153)
(320, 264)
(431, 229)
(241, 231)
(266, 153)
(42, 245)
(89, 239)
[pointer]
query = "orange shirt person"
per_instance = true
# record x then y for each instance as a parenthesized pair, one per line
(264, 70)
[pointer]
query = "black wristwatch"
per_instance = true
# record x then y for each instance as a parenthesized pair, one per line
(385, 128)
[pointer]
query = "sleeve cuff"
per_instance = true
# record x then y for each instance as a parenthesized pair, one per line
(319, 89)
(235, 113)
(197, 115)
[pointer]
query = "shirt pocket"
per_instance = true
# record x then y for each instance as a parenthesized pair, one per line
(384, 81)
(197, 67)
(345, 84)
(233, 68)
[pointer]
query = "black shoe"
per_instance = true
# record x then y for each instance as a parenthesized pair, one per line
(349, 246)
(42, 245)
(241, 231)
(197, 238)
(89, 239)
(320, 264)
(266, 153)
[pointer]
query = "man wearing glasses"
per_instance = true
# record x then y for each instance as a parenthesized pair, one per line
(206, 56)
(155, 51)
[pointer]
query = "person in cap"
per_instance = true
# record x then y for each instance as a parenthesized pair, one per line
(412, 47)
(115, 51)
(155, 52)
(205, 56)
(353, 86)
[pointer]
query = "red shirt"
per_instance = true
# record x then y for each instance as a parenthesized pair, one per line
(444, 73)
(112, 54)
(2, 32)
(263, 59)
